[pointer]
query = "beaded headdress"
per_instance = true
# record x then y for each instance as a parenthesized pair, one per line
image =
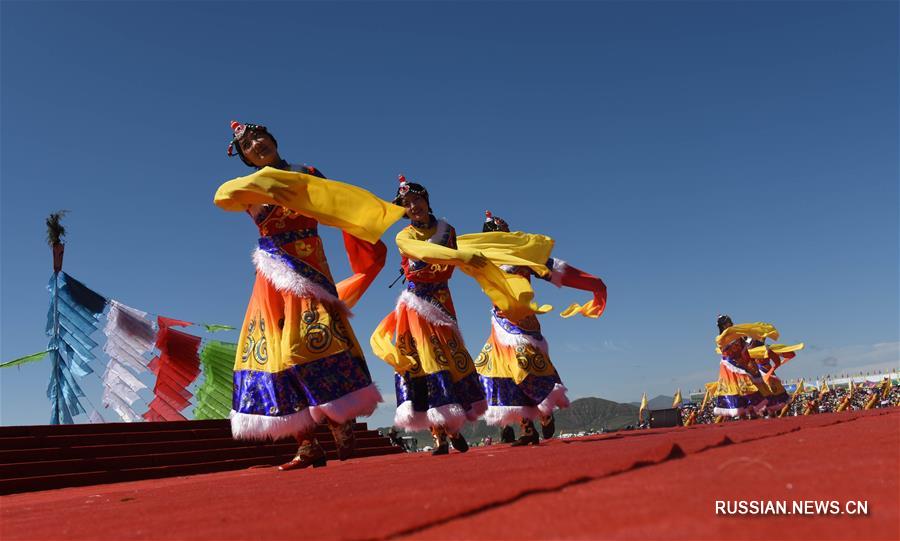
(493, 223)
(239, 130)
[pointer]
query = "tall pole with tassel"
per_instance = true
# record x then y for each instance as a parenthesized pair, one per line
(55, 234)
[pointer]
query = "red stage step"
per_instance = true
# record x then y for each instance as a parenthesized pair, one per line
(45, 457)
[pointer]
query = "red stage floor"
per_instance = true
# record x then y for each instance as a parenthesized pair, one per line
(652, 484)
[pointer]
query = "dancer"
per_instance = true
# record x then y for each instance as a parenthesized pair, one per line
(741, 391)
(768, 358)
(436, 384)
(519, 381)
(298, 361)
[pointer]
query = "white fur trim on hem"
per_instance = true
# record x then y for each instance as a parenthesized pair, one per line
(509, 415)
(451, 416)
(556, 399)
(737, 412)
(285, 279)
(557, 271)
(432, 313)
(359, 403)
(477, 410)
(246, 426)
(512, 340)
(729, 412)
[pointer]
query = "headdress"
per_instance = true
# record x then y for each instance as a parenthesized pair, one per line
(493, 223)
(405, 187)
(723, 321)
(240, 130)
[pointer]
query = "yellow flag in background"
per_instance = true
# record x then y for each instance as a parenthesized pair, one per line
(643, 407)
(705, 400)
(871, 402)
(676, 403)
(710, 391)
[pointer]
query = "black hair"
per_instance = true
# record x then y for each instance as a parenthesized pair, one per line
(412, 188)
(723, 322)
(257, 129)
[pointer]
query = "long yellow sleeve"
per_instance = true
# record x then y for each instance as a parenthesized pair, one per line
(762, 352)
(757, 331)
(518, 249)
(330, 202)
(511, 293)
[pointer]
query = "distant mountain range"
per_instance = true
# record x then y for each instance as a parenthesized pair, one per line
(660, 402)
(582, 415)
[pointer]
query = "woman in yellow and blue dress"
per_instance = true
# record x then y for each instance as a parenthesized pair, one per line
(519, 380)
(298, 362)
(435, 381)
(778, 396)
(741, 391)
(768, 357)
(747, 385)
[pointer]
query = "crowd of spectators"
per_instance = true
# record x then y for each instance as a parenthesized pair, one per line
(810, 401)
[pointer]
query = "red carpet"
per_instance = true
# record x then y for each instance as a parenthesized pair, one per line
(631, 485)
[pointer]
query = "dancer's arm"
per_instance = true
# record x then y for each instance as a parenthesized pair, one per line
(565, 275)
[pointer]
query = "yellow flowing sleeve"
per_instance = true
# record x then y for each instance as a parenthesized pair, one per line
(757, 331)
(511, 293)
(762, 352)
(518, 249)
(330, 202)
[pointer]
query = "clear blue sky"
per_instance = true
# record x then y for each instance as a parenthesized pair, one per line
(701, 157)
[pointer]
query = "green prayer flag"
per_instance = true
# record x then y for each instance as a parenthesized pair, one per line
(26, 359)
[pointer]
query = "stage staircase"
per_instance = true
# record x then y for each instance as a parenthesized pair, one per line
(47, 457)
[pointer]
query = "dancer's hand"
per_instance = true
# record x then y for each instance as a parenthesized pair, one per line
(478, 261)
(281, 194)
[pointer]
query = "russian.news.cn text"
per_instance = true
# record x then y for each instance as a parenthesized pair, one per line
(791, 507)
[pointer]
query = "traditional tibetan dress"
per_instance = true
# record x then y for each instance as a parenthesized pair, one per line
(514, 365)
(439, 386)
(768, 358)
(298, 361)
(778, 396)
(741, 389)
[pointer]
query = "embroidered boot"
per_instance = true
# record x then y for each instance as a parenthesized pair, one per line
(459, 442)
(344, 438)
(548, 427)
(507, 434)
(310, 453)
(441, 447)
(529, 434)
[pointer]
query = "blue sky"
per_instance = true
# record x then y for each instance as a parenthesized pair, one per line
(701, 157)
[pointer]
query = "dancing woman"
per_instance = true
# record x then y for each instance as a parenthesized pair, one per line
(519, 380)
(743, 389)
(298, 361)
(436, 384)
